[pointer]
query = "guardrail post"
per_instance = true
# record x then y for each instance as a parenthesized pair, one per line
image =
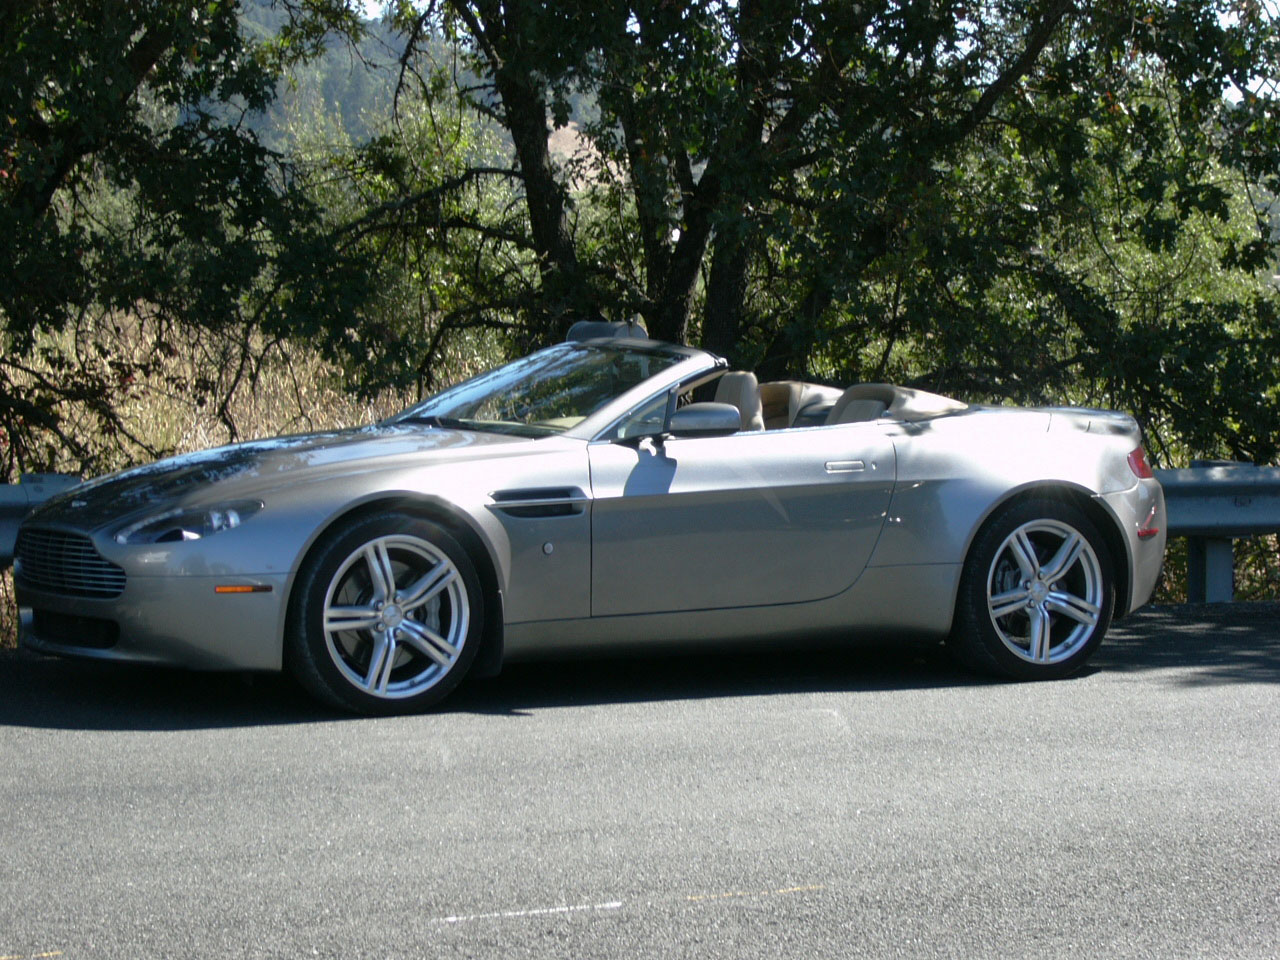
(1210, 570)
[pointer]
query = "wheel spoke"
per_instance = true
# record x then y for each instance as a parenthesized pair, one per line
(1024, 552)
(395, 615)
(1061, 590)
(1003, 604)
(1064, 559)
(435, 580)
(427, 642)
(1040, 637)
(381, 574)
(381, 660)
(1077, 608)
(337, 619)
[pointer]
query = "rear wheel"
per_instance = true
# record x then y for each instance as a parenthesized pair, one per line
(386, 615)
(1037, 592)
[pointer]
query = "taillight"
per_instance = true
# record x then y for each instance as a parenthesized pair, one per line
(1138, 464)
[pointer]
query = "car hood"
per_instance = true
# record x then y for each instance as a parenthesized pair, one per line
(251, 469)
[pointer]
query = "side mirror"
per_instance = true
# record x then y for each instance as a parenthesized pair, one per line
(705, 420)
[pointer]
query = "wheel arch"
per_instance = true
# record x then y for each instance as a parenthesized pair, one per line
(488, 661)
(1096, 510)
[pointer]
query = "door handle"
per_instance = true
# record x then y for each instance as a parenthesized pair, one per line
(845, 466)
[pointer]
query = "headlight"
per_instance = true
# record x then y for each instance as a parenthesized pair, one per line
(194, 523)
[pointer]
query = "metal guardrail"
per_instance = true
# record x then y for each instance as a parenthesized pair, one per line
(1210, 503)
(16, 501)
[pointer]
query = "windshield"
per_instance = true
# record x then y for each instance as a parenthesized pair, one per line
(547, 392)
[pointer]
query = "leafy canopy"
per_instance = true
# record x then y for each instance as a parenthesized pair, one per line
(132, 192)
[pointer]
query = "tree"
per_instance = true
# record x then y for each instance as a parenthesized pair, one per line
(835, 189)
(1009, 200)
(425, 204)
(132, 192)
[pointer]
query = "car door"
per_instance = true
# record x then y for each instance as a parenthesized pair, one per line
(748, 519)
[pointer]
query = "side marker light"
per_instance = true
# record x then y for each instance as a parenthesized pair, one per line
(1147, 531)
(242, 588)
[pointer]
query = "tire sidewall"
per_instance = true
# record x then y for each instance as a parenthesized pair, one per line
(975, 635)
(307, 655)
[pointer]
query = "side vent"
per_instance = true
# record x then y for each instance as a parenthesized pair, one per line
(534, 502)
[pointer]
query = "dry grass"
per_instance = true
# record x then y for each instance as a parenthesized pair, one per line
(279, 392)
(8, 611)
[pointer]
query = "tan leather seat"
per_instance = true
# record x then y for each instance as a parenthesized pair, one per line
(856, 410)
(869, 401)
(741, 389)
(782, 400)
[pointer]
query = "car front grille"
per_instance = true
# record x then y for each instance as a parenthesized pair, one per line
(65, 563)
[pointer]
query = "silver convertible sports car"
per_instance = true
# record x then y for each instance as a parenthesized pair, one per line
(605, 493)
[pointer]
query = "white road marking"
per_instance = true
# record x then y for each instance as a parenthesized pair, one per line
(756, 893)
(540, 912)
(615, 905)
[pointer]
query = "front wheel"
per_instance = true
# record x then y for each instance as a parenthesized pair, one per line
(1036, 594)
(386, 615)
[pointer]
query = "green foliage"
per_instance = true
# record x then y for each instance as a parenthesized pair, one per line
(1034, 202)
(424, 205)
(349, 79)
(129, 187)
(1037, 202)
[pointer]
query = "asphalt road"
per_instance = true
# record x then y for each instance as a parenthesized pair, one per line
(870, 803)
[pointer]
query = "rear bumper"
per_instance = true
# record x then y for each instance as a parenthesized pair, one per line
(1143, 521)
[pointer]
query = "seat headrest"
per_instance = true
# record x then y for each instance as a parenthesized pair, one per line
(742, 390)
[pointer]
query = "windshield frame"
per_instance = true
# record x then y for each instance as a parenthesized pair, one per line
(687, 361)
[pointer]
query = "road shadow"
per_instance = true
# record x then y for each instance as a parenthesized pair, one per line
(1198, 643)
(863, 666)
(1235, 643)
(1194, 644)
(48, 692)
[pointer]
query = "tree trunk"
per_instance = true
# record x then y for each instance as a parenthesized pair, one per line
(726, 295)
(499, 32)
(526, 112)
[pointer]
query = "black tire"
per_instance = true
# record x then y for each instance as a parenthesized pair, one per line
(1037, 571)
(357, 642)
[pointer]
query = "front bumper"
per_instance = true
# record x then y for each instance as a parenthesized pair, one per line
(172, 621)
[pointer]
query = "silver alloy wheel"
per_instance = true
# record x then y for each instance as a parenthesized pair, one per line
(396, 616)
(1045, 591)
